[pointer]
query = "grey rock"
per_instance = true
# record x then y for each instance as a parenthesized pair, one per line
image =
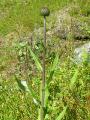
(62, 25)
(66, 26)
(82, 53)
(73, 27)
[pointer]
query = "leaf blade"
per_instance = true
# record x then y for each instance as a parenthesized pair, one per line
(37, 63)
(62, 114)
(74, 78)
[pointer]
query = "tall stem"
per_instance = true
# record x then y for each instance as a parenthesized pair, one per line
(43, 74)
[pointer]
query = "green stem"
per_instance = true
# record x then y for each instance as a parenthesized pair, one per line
(43, 74)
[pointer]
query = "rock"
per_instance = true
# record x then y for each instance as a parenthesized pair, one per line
(82, 53)
(71, 26)
(65, 25)
(78, 29)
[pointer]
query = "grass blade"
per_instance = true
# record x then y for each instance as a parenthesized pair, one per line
(62, 114)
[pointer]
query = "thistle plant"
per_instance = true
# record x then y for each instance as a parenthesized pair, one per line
(42, 103)
(44, 12)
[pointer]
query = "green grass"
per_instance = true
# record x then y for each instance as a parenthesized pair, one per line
(18, 105)
(68, 89)
(26, 14)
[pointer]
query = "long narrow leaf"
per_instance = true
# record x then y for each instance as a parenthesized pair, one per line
(55, 62)
(62, 114)
(74, 78)
(54, 65)
(35, 97)
(22, 87)
(37, 63)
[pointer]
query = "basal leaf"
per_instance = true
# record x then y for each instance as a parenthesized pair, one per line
(37, 63)
(21, 86)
